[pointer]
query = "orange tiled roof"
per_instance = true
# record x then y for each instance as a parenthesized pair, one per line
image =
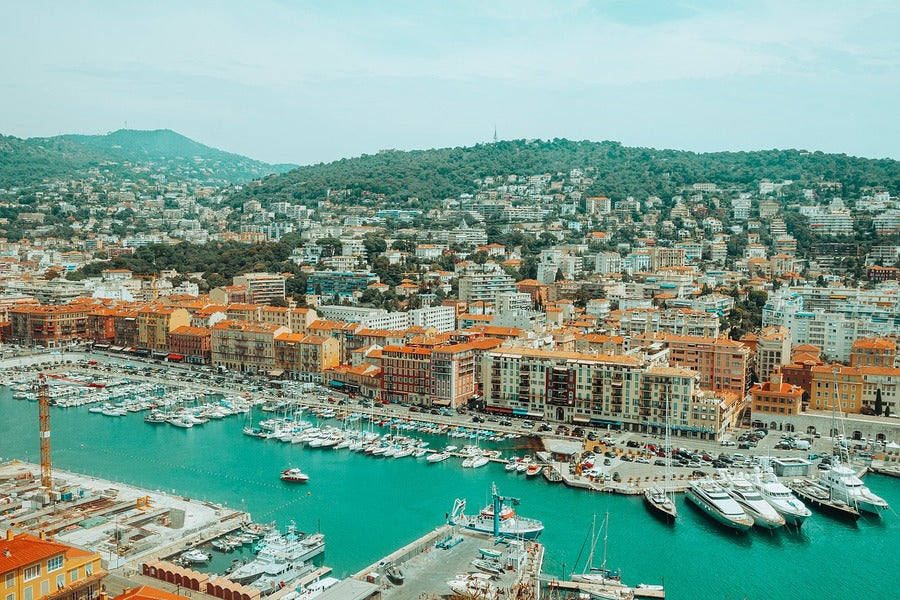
(25, 549)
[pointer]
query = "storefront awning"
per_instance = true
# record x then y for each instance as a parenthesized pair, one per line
(441, 402)
(174, 357)
(519, 411)
(605, 422)
(336, 383)
(582, 420)
(276, 373)
(116, 348)
(499, 409)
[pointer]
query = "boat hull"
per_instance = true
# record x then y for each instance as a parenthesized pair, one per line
(667, 511)
(738, 525)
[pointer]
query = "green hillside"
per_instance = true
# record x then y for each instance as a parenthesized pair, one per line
(23, 162)
(618, 171)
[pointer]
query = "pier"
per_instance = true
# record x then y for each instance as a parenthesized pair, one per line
(446, 553)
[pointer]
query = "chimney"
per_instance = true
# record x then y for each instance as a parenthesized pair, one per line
(42, 534)
(10, 535)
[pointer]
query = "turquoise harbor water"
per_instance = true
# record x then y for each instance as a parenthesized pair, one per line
(367, 507)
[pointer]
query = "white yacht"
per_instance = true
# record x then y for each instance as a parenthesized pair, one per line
(780, 497)
(281, 556)
(745, 494)
(715, 501)
(438, 457)
(843, 484)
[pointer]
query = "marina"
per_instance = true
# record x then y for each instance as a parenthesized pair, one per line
(243, 473)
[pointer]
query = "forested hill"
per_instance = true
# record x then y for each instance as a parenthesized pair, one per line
(618, 171)
(27, 161)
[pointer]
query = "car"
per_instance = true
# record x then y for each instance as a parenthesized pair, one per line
(530, 425)
(592, 436)
(694, 464)
(659, 462)
(642, 460)
(727, 443)
(505, 422)
(823, 466)
(698, 473)
(606, 462)
(627, 458)
(578, 432)
(609, 454)
(633, 444)
(435, 411)
(475, 419)
(542, 427)
(417, 409)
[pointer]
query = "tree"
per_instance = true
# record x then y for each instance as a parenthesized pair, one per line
(887, 410)
(879, 404)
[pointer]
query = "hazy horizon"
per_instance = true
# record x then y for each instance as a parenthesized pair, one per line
(297, 83)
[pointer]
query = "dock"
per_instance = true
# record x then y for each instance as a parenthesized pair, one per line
(446, 553)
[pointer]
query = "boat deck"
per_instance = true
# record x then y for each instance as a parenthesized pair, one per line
(433, 560)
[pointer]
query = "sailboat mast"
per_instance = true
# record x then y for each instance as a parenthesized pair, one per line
(668, 451)
(605, 537)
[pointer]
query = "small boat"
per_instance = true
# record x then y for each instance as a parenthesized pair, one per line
(511, 465)
(533, 470)
(488, 553)
(438, 457)
(474, 585)
(394, 573)
(491, 566)
(552, 475)
(196, 556)
(294, 475)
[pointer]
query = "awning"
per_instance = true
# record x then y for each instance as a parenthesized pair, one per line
(116, 348)
(535, 415)
(441, 402)
(498, 409)
(276, 373)
(605, 422)
(519, 411)
(582, 420)
(174, 357)
(336, 383)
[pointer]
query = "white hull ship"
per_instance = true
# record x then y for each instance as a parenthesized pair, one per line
(715, 501)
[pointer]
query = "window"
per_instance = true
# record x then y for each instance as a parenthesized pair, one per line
(89, 569)
(60, 582)
(10, 579)
(73, 574)
(45, 587)
(32, 572)
(27, 593)
(11, 596)
(55, 563)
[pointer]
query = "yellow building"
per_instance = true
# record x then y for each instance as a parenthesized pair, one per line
(37, 568)
(836, 386)
(155, 323)
(305, 357)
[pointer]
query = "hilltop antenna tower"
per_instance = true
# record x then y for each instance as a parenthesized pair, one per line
(43, 394)
(495, 133)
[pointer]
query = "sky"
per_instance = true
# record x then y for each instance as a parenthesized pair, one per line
(308, 82)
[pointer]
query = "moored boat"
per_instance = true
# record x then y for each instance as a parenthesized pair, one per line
(711, 498)
(496, 524)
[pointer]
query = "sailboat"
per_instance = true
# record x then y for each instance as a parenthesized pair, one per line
(599, 575)
(658, 499)
(607, 583)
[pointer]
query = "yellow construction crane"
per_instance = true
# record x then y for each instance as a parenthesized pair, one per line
(43, 394)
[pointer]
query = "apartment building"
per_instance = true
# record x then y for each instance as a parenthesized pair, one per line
(602, 390)
(49, 326)
(873, 352)
(676, 321)
(155, 324)
(722, 363)
(36, 567)
(245, 347)
(485, 287)
(191, 344)
(773, 350)
(262, 288)
(230, 294)
(305, 357)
